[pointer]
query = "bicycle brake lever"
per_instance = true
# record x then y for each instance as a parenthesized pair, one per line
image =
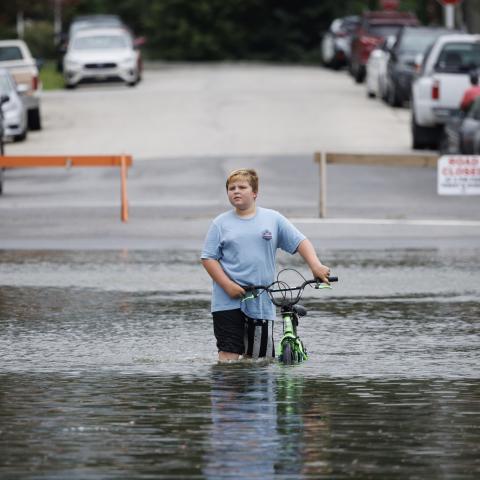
(249, 297)
(321, 285)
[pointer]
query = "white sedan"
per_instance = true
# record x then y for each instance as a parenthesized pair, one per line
(101, 54)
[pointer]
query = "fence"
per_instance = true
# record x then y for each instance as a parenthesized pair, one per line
(68, 161)
(391, 160)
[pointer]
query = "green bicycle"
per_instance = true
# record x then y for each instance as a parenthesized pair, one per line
(291, 349)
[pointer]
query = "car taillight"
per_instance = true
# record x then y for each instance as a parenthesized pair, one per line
(35, 82)
(435, 90)
(370, 41)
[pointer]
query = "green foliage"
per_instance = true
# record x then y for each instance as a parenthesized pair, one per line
(7, 32)
(39, 38)
(276, 30)
(50, 77)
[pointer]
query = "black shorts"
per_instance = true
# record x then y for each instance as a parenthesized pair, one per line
(237, 333)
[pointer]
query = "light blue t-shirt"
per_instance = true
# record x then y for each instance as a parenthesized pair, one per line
(246, 249)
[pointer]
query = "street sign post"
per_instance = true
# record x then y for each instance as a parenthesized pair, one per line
(449, 11)
(458, 175)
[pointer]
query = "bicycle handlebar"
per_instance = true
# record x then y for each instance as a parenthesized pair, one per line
(249, 288)
(285, 301)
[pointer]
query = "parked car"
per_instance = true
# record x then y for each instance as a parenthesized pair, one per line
(401, 67)
(16, 57)
(462, 131)
(93, 22)
(476, 143)
(376, 76)
(14, 112)
(335, 47)
(101, 54)
(469, 129)
(3, 99)
(374, 27)
(440, 85)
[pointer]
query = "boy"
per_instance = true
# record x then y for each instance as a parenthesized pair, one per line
(240, 249)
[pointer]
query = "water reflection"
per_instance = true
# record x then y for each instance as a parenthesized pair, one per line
(243, 439)
(244, 421)
(108, 372)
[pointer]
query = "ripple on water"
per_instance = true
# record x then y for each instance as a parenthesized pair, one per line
(108, 371)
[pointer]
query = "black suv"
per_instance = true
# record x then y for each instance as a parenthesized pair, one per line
(401, 68)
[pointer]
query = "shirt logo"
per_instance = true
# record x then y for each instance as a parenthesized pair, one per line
(267, 235)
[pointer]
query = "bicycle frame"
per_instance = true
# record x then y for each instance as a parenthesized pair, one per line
(291, 348)
(290, 323)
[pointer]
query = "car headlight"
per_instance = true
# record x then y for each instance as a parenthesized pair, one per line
(128, 62)
(72, 64)
(8, 106)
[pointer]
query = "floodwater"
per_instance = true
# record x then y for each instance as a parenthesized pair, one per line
(108, 371)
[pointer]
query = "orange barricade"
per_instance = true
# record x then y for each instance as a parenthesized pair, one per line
(67, 161)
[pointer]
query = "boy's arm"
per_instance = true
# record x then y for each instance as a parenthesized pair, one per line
(215, 270)
(306, 250)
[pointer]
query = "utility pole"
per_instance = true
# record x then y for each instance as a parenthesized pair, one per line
(449, 12)
(57, 20)
(20, 24)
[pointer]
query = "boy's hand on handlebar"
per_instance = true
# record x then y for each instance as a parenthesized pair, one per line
(322, 272)
(234, 290)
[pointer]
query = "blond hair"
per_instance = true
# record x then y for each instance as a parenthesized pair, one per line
(247, 174)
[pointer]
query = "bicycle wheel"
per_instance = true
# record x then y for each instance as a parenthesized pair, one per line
(289, 355)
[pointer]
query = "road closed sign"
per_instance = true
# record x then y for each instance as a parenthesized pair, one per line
(458, 175)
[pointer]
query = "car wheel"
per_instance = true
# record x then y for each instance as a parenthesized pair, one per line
(34, 119)
(424, 137)
(359, 74)
(392, 96)
(21, 137)
(444, 147)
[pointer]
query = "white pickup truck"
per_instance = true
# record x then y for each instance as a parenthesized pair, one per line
(440, 85)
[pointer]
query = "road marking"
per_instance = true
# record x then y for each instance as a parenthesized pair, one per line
(389, 221)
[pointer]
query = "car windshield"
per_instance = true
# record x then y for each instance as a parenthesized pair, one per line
(350, 25)
(418, 41)
(384, 30)
(10, 53)
(100, 42)
(89, 24)
(460, 57)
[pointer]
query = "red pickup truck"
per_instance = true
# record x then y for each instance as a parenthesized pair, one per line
(373, 28)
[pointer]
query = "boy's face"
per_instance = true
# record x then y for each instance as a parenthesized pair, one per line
(241, 195)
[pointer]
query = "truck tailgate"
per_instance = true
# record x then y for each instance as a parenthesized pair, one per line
(452, 86)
